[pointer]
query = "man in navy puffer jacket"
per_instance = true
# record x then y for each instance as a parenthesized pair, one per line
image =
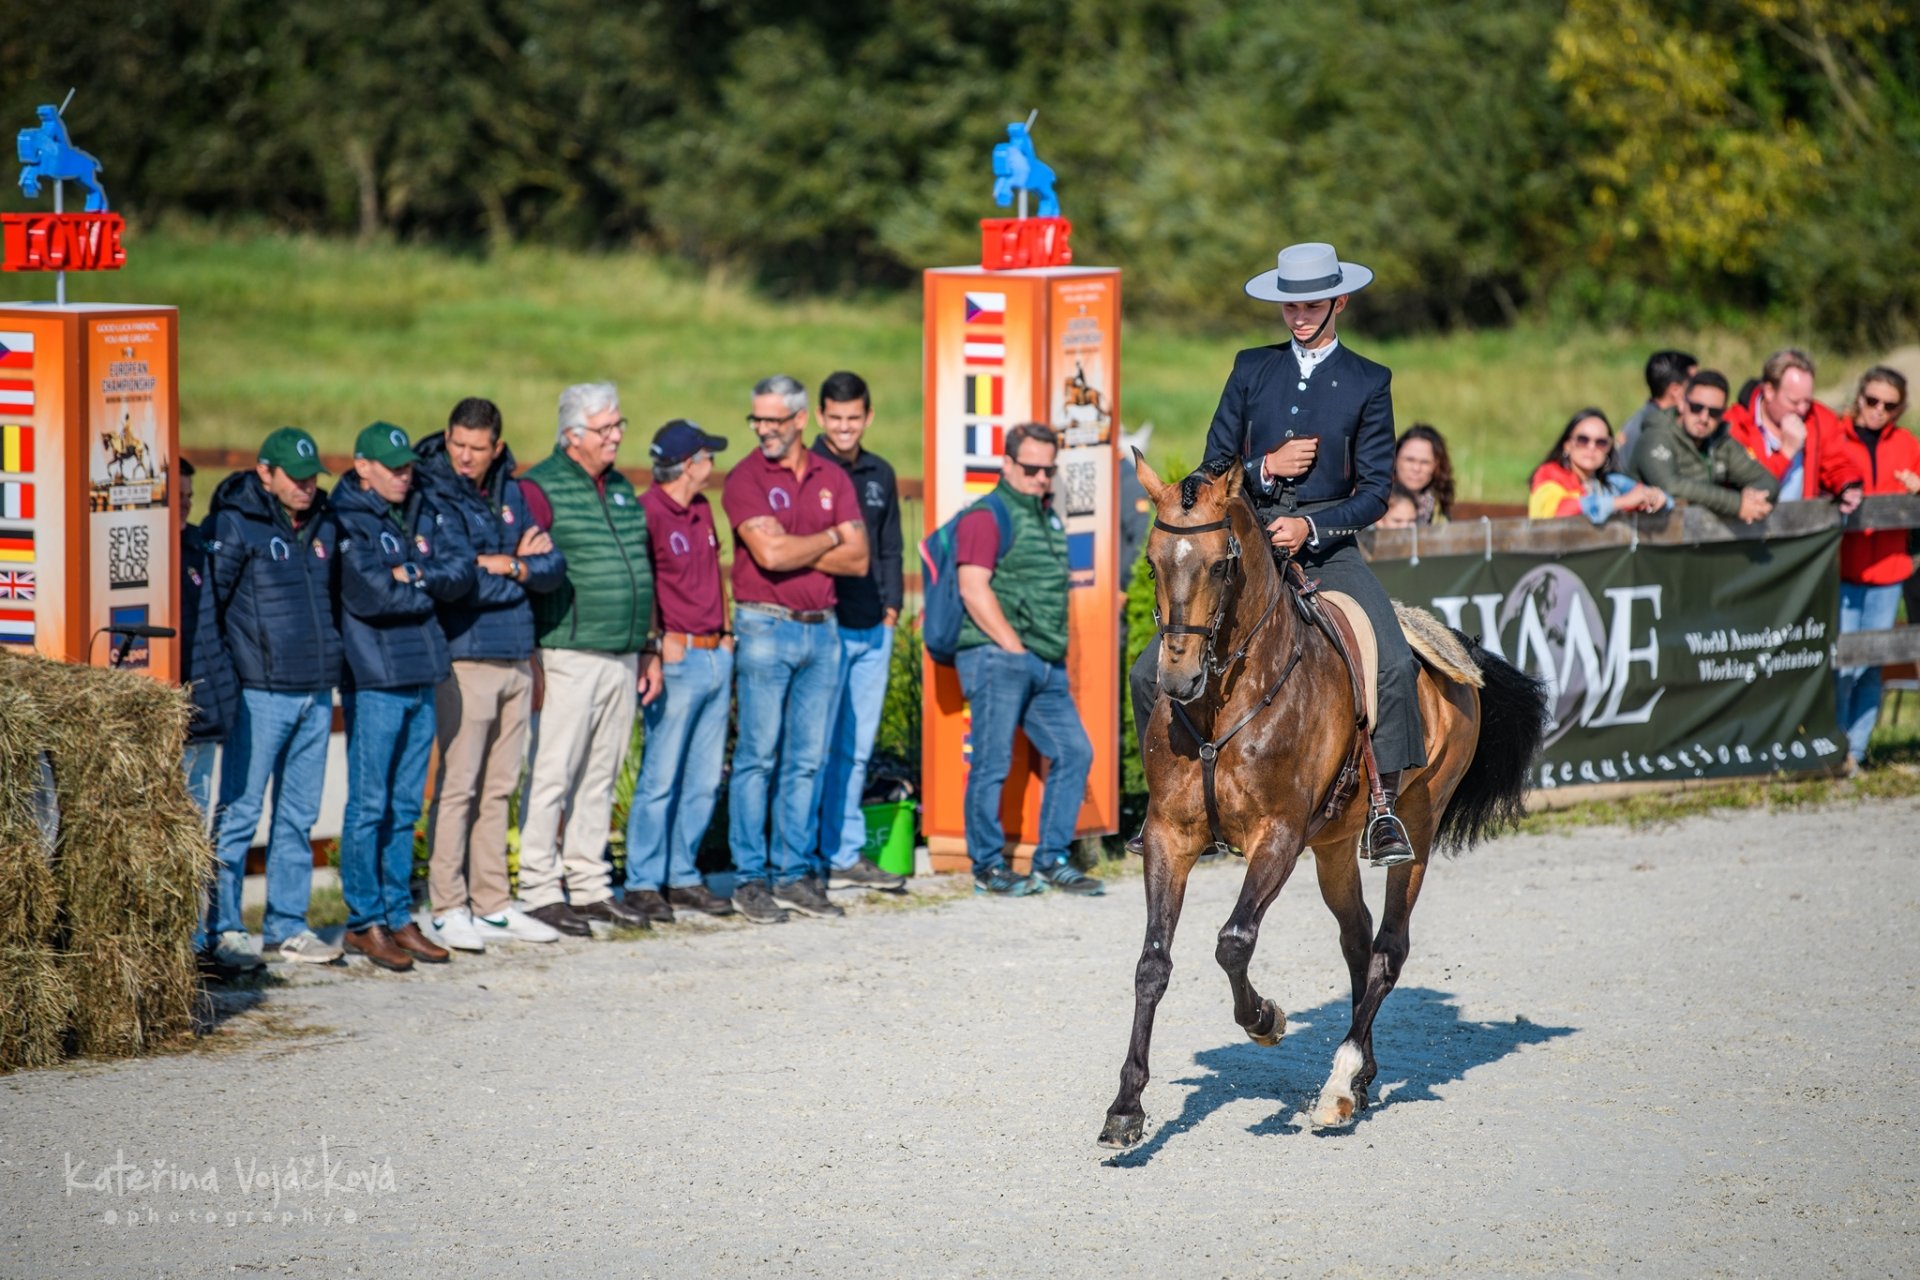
(274, 568)
(482, 710)
(399, 558)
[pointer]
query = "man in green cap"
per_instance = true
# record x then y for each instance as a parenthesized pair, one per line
(398, 558)
(274, 568)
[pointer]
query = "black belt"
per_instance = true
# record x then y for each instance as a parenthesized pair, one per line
(789, 615)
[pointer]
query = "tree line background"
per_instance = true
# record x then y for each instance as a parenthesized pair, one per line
(1614, 161)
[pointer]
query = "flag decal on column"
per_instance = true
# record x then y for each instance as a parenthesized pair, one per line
(18, 584)
(16, 393)
(984, 441)
(16, 350)
(16, 545)
(986, 394)
(16, 500)
(979, 348)
(16, 626)
(16, 448)
(986, 308)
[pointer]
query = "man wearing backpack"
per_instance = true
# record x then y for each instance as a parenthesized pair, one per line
(1011, 657)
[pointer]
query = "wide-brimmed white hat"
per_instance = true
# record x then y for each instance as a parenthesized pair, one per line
(1309, 273)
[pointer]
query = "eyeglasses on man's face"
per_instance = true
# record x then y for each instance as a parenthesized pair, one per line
(617, 426)
(1716, 412)
(1038, 468)
(755, 421)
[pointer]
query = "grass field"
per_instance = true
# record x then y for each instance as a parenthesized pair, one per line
(330, 335)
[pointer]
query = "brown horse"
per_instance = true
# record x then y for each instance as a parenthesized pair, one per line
(1275, 699)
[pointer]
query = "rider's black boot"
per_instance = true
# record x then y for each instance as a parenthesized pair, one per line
(1386, 843)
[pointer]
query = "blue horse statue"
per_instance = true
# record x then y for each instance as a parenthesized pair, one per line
(47, 153)
(1017, 168)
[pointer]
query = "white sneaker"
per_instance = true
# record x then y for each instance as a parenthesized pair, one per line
(514, 925)
(236, 949)
(309, 947)
(455, 929)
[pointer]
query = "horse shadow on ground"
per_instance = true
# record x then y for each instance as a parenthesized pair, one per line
(1421, 1042)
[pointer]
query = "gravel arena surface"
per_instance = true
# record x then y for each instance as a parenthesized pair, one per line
(1679, 1052)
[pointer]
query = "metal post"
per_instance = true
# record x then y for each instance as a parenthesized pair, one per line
(60, 276)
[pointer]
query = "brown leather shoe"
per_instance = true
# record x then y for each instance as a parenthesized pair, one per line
(422, 947)
(377, 945)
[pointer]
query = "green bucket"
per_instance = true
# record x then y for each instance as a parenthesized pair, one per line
(890, 836)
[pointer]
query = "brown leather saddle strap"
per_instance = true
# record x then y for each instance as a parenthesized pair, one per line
(1210, 747)
(1334, 623)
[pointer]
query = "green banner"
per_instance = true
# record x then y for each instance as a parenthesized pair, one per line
(1662, 662)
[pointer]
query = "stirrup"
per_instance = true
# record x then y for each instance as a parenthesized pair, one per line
(1396, 846)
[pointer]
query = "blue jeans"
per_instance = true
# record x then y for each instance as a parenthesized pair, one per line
(199, 759)
(679, 771)
(787, 680)
(282, 738)
(865, 656)
(1857, 689)
(1018, 690)
(389, 737)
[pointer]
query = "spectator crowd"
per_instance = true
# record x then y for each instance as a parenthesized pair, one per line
(519, 622)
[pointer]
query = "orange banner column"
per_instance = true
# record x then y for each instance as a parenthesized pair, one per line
(1002, 348)
(88, 523)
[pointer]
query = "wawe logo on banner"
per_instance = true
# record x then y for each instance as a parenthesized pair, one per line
(16, 448)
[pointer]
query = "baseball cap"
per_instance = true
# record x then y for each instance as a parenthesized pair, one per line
(294, 452)
(386, 444)
(680, 440)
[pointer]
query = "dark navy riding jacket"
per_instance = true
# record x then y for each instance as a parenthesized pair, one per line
(274, 587)
(390, 628)
(206, 666)
(493, 621)
(1347, 404)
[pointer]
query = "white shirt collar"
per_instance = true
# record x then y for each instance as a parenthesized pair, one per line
(1311, 360)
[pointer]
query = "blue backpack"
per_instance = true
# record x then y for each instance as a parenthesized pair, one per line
(941, 610)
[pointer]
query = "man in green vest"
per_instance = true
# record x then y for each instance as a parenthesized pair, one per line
(1012, 665)
(597, 644)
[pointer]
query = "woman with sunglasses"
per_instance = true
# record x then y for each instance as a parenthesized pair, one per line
(1873, 564)
(1581, 475)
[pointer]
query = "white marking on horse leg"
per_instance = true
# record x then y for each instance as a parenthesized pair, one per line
(1335, 1106)
(1181, 550)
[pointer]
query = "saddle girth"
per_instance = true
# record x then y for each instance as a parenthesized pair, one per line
(1340, 632)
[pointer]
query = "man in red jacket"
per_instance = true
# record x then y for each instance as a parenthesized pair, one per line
(1791, 434)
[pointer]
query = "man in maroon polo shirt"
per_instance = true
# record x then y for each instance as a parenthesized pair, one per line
(796, 523)
(687, 724)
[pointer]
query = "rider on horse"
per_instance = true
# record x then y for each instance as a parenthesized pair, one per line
(1312, 425)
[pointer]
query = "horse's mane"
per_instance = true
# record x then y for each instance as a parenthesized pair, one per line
(1207, 473)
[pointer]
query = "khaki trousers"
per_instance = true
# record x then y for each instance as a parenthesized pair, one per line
(481, 713)
(585, 725)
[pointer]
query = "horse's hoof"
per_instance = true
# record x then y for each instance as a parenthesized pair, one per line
(1332, 1113)
(1270, 1027)
(1122, 1132)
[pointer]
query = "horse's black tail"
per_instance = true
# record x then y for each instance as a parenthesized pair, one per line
(1513, 723)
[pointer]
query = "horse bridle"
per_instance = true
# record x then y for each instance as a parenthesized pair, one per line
(1215, 665)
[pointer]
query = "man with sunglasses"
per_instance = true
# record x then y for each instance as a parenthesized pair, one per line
(796, 524)
(1012, 664)
(596, 644)
(1695, 460)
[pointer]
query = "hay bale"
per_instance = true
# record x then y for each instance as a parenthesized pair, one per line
(132, 858)
(35, 1000)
